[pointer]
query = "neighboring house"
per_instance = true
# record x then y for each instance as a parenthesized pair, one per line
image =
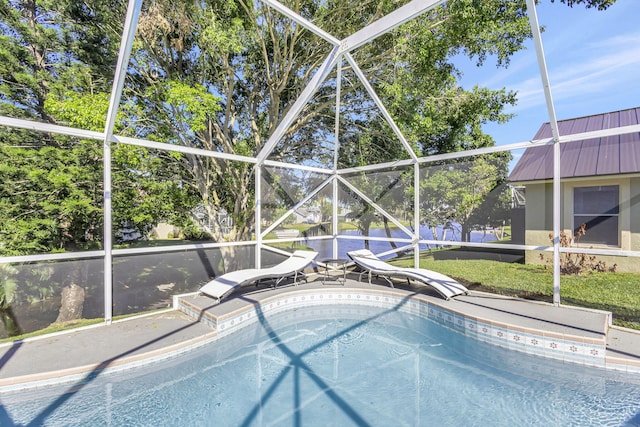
(311, 215)
(201, 216)
(600, 187)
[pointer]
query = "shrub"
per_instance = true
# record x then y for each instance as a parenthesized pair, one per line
(577, 263)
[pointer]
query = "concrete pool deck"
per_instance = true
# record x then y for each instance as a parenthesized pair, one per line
(87, 352)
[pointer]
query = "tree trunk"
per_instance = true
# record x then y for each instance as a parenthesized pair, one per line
(234, 259)
(72, 298)
(366, 234)
(465, 233)
(365, 227)
(72, 303)
(387, 230)
(442, 236)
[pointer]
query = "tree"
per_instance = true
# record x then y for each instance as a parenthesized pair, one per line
(389, 189)
(495, 208)
(58, 61)
(56, 64)
(435, 114)
(220, 75)
(459, 193)
(439, 116)
(369, 141)
(51, 185)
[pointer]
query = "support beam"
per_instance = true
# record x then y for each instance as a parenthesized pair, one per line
(336, 145)
(181, 149)
(416, 215)
(258, 217)
(381, 107)
(297, 206)
(375, 206)
(308, 92)
(133, 11)
(50, 128)
(302, 21)
(387, 23)
(544, 76)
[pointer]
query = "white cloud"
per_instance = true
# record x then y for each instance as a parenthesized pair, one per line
(604, 66)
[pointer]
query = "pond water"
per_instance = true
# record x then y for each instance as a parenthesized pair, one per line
(324, 247)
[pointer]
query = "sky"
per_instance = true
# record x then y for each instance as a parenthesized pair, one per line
(593, 61)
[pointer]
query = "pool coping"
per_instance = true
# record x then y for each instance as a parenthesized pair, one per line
(573, 345)
(168, 334)
(517, 331)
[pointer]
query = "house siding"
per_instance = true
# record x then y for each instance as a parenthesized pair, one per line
(539, 219)
(634, 225)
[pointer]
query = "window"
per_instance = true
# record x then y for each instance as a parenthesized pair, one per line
(598, 208)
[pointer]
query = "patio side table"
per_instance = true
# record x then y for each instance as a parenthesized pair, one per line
(335, 264)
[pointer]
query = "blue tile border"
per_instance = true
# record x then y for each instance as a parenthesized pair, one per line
(568, 348)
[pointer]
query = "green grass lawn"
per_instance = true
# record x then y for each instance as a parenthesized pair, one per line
(56, 327)
(618, 293)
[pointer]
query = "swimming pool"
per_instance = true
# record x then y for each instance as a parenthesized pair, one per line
(340, 365)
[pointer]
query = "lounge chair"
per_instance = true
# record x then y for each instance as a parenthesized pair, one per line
(223, 285)
(372, 265)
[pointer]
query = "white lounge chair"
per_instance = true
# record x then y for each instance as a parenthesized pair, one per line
(223, 285)
(372, 265)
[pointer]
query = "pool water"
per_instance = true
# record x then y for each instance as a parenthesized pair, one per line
(339, 366)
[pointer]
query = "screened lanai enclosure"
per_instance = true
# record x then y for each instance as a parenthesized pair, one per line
(149, 147)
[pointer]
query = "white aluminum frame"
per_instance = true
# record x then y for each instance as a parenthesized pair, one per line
(546, 85)
(340, 52)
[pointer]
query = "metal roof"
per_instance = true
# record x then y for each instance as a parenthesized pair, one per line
(612, 155)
